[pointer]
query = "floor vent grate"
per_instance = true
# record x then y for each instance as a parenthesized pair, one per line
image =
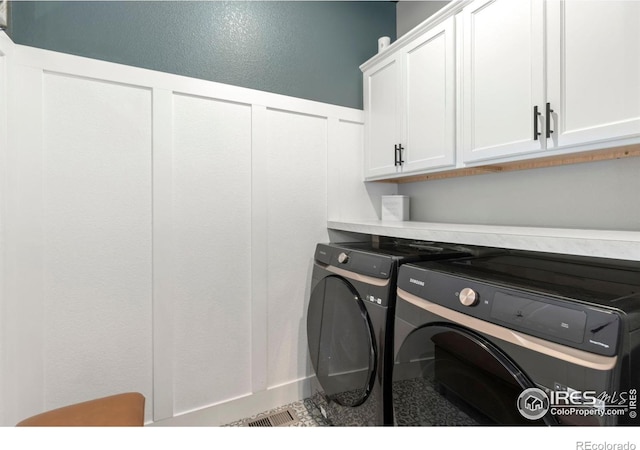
(278, 419)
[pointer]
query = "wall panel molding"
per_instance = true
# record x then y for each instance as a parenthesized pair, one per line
(191, 193)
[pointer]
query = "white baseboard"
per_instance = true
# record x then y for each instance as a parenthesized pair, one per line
(242, 407)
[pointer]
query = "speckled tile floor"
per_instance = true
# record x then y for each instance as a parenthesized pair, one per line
(306, 413)
(423, 404)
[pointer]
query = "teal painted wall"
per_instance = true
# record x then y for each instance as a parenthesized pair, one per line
(306, 49)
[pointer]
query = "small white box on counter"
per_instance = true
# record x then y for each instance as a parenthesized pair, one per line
(395, 207)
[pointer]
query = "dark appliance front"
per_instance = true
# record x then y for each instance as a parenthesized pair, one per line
(350, 326)
(517, 338)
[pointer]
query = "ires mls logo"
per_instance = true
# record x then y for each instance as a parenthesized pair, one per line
(3, 14)
(534, 403)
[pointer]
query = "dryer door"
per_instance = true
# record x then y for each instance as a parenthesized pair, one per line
(341, 341)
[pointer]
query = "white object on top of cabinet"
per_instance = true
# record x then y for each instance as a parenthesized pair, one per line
(409, 102)
(3, 14)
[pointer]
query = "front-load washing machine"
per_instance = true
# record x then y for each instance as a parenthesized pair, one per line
(517, 338)
(350, 326)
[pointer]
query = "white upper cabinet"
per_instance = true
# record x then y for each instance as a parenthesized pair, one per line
(382, 88)
(409, 101)
(429, 109)
(502, 78)
(593, 70)
(498, 81)
(590, 69)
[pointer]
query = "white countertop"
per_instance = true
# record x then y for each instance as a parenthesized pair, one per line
(600, 243)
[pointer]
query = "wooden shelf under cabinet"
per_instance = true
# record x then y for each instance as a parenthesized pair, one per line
(627, 151)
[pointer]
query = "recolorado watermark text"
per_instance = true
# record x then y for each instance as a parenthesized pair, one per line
(589, 445)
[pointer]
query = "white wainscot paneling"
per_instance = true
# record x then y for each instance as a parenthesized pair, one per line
(297, 209)
(349, 198)
(172, 222)
(97, 239)
(3, 144)
(212, 239)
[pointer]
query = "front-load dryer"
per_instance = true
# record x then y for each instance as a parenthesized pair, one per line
(517, 338)
(350, 326)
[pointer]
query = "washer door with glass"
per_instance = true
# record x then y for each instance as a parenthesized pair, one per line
(448, 375)
(341, 341)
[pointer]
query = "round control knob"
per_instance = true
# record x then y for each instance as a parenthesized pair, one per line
(468, 297)
(343, 258)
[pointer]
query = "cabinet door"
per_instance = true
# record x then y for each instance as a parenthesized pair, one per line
(430, 100)
(382, 108)
(503, 43)
(593, 70)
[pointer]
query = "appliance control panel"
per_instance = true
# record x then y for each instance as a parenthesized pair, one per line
(363, 263)
(575, 324)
